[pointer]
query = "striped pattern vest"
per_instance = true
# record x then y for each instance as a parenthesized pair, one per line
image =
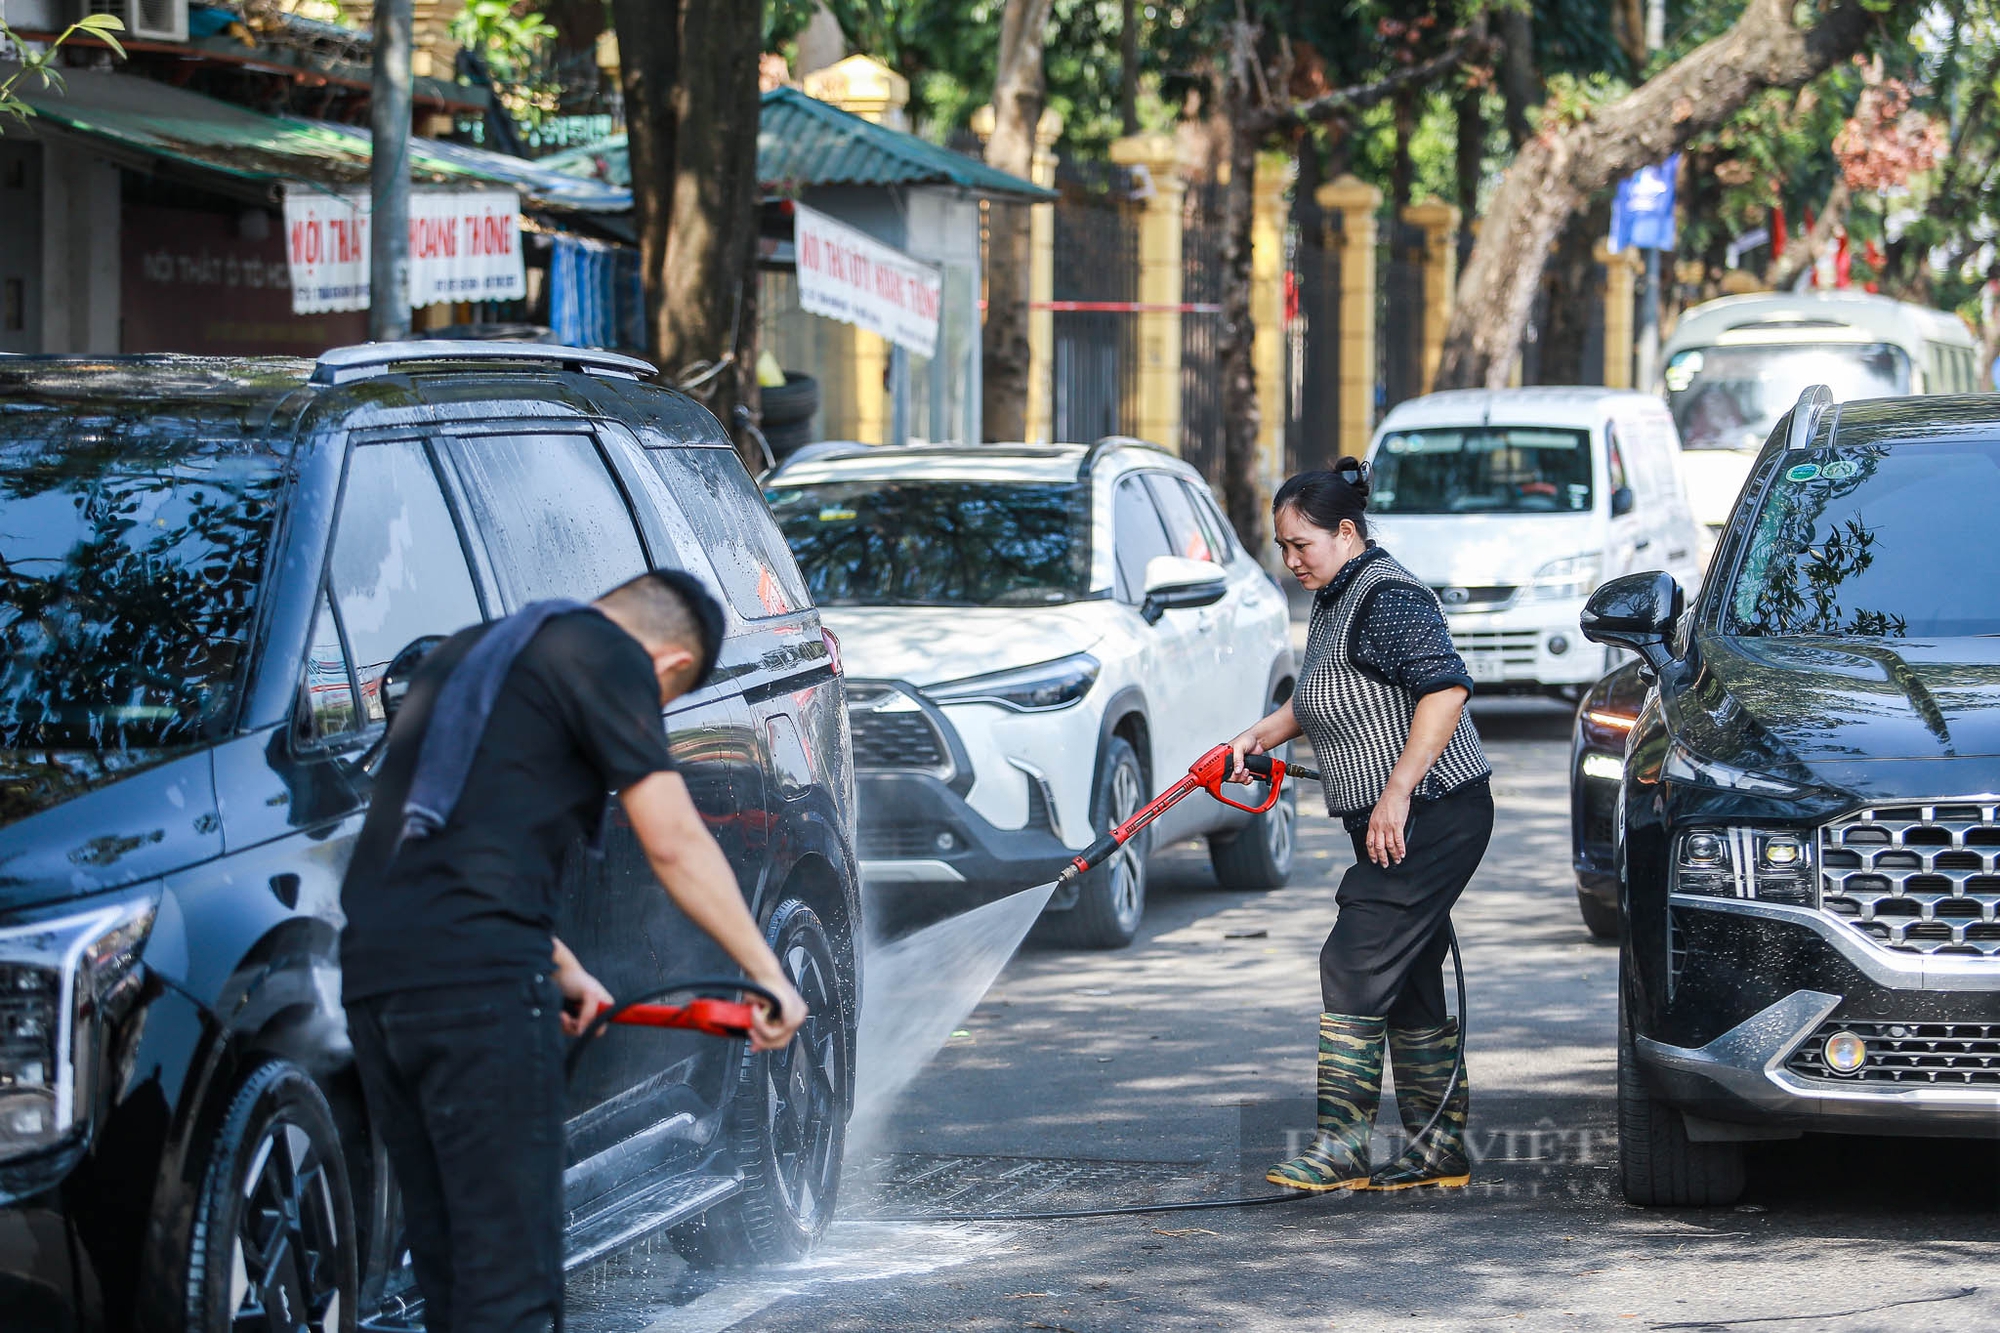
(1358, 723)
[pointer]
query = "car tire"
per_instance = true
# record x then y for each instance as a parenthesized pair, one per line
(1599, 918)
(1658, 1165)
(785, 1125)
(1111, 899)
(274, 1222)
(1257, 858)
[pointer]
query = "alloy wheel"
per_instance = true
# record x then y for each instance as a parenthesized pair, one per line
(284, 1270)
(804, 1096)
(1279, 827)
(1127, 872)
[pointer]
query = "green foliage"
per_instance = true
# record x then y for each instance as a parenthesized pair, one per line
(41, 64)
(514, 45)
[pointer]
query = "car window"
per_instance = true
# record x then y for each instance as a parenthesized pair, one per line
(1136, 536)
(1614, 458)
(1184, 530)
(1483, 470)
(1220, 534)
(1850, 542)
(326, 691)
(744, 546)
(398, 571)
(552, 515)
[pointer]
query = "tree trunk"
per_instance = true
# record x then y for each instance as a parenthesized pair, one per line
(1128, 68)
(1017, 108)
(1470, 113)
(1575, 295)
(1242, 417)
(1520, 86)
(649, 65)
(1562, 165)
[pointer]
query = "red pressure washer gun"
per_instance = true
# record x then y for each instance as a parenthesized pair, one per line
(1207, 773)
(716, 1017)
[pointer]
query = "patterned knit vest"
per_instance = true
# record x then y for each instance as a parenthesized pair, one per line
(1359, 723)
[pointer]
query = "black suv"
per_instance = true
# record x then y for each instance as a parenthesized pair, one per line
(1807, 825)
(206, 568)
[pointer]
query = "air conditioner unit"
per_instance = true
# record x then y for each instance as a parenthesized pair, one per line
(146, 20)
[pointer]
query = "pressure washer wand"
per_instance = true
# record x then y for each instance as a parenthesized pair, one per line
(1207, 773)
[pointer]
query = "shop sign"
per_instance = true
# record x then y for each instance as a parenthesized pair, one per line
(465, 245)
(216, 284)
(848, 275)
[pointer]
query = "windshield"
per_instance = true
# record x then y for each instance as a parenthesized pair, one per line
(1875, 542)
(131, 551)
(1731, 397)
(938, 543)
(1483, 470)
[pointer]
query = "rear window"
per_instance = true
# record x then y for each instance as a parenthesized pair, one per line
(938, 543)
(132, 553)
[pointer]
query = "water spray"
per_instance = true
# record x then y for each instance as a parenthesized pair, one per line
(1208, 773)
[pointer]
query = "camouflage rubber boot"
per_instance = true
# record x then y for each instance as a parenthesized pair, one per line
(1423, 1059)
(1350, 1090)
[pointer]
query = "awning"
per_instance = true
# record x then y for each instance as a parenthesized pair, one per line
(803, 142)
(139, 120)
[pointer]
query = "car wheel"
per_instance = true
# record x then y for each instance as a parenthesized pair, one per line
(1112, 898)
(1258, 857)
(1658, 1165)
(1599, 917)
(787, 1117)
(273, 1243)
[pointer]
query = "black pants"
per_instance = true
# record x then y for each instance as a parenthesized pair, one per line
(1386, 954)
(465, 1087)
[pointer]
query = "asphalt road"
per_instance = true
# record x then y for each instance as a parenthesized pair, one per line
(1173, 1069)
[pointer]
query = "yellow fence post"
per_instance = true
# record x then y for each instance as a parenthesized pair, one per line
(1160, 272)
(1620, 280)
(1439, 222)
(1357, 201)
(855, 401)
(1267, 314)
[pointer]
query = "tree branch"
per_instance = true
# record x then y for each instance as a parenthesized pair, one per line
(1337, 102)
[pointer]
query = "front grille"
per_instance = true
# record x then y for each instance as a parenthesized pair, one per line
(1600, 817)
(1919, 879)
(897, 842)
(1508, 647)
(895, 740)
(1490, 597)
(1910, 1054)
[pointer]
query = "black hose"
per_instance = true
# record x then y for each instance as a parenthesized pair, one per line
(1252, 1201)
(606, 1017)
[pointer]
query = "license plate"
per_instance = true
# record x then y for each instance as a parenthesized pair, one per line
(1486, 668)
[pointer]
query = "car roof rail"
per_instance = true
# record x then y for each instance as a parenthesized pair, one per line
(1110, 442)
(818, 450)
(344, 365)
(1806, 412)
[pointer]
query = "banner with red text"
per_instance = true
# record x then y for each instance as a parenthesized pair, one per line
(848, 275)
(465, 245)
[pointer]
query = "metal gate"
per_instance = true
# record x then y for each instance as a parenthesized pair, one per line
(1202, 239)
(1312, 337)
(1399, 318)
(1096, 263)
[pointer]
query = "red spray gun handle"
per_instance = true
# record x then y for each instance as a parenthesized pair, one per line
(717, 1018)
(1207, 773)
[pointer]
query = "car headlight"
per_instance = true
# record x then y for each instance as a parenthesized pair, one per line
(59, 979)
(1562, 580)
(1774, 865)
(1034, 689)
(1684, 765)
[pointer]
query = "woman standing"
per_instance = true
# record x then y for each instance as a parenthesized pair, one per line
(1381, 695)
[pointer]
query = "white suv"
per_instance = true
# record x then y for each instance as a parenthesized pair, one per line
(1037, 639)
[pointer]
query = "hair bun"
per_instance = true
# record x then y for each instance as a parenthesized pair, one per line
(1355, 473)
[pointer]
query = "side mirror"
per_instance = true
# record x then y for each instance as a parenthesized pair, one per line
(1622, 501)
(395, 682)
(1636, 612)
(1174, 582)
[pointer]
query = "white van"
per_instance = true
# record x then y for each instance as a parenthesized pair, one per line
(1734, 366)
(1514, 504)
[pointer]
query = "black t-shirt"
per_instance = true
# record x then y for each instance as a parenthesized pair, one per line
(577, 717)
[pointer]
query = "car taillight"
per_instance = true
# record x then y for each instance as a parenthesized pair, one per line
(832, 642)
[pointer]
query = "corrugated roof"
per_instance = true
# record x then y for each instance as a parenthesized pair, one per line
(155, 119)
(803, 142)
